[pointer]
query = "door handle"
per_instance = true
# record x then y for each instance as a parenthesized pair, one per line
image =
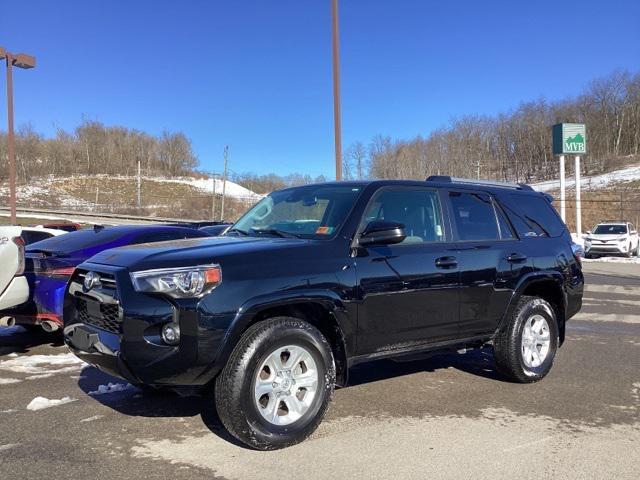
(446, 262)
(516, 258)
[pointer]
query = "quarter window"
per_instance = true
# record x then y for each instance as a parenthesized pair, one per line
(418, 209)
(474, 216)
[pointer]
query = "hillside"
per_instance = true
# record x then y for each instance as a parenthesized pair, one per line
(610, 196)
(177, 197)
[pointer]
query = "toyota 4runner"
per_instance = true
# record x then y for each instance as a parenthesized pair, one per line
(315, 279)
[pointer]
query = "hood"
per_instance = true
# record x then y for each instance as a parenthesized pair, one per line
(607, 237)
(197, 251)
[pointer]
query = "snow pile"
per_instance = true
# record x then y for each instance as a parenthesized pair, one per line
(595, 182)
(40, 403)
(112, 388)
(43, 364)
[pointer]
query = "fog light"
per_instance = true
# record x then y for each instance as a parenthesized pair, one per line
(171, 334)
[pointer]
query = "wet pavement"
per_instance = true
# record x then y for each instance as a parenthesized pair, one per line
(445, 416)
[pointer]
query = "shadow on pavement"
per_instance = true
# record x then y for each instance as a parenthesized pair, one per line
(20, 339)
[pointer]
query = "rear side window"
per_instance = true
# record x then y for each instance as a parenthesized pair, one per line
(474, 216)
(533, 216)
(29, 236)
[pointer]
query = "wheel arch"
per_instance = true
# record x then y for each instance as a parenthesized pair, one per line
(324, 311)
(545, 285)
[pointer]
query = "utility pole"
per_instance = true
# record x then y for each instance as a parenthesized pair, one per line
(224, 180)
(478, 169)
(19, 60)
(336, 90)
(213, 197)
(139, 186)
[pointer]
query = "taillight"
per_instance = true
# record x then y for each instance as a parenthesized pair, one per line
(19, 242)
(578, 252)
(62, 272)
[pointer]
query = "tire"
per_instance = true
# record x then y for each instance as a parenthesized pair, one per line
(250, 417)
(513, 354)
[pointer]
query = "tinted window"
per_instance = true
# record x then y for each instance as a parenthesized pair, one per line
(533, 216)
(474, 216)
(610, 230)
(506, 232)
(30, 237)
(417, 209)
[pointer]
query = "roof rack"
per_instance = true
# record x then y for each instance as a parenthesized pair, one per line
(470, 181)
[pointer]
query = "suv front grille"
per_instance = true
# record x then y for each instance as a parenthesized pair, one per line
(108, 320)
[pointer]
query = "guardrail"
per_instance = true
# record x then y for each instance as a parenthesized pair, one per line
(113, 216)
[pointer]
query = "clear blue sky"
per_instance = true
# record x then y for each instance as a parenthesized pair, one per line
(257, 74)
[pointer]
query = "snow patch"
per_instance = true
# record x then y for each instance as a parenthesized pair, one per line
(9, 381)
(43, 364)
(40, 403)
(112, 388)
(91, 419)
(595, 182)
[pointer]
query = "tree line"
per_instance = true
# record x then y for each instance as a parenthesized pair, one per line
(513, 146)
(93, 148)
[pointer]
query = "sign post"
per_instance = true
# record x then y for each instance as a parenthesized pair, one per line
(570, 138)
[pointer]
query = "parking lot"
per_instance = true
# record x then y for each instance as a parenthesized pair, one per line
(443, 417)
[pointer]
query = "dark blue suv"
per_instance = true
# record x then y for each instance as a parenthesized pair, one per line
(315, 279)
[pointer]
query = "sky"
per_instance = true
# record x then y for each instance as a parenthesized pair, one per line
(256, 74)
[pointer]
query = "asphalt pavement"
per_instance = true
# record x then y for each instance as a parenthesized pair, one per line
(446, 416)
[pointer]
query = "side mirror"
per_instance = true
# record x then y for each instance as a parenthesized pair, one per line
(382, 232)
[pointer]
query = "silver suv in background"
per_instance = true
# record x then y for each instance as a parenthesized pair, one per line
(612, 238)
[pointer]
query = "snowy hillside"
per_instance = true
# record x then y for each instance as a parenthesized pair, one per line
(595, 182)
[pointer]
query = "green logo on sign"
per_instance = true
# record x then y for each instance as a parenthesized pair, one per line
(575, 144)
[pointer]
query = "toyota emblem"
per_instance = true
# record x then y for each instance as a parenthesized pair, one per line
(91, 279)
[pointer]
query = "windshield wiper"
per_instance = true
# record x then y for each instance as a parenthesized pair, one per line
(274, 231)
(238, 231)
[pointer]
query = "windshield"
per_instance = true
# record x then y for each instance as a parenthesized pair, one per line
(610, 230)
(312, 211)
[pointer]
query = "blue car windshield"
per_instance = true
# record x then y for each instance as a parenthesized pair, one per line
(310, 211)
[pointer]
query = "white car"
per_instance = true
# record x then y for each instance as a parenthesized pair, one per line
(607, 238)
(14, 288)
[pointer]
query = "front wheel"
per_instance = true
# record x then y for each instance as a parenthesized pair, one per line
(277, 385)
(525, 349)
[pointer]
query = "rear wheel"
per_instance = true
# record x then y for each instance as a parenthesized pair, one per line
(525, 349)
(277, 385)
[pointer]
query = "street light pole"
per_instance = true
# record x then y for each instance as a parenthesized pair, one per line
(20, 60)
(336, 90)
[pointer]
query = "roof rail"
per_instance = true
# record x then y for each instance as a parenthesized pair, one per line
(470, 181)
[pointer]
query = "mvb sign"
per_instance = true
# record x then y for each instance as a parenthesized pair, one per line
(569, 138)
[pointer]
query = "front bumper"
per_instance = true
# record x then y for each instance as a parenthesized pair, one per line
(16, 293)
(117, 329)
(606, 248)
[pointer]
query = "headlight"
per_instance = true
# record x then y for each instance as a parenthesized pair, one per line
(621, 239)
(184, 282)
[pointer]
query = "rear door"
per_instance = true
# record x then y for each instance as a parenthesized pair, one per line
(490, 258)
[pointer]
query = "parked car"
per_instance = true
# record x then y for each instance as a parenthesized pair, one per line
(50, 263)
(14, 289)
(216, 230)
(66, 226)
(36, 234)
(318, 278)
(612, 238)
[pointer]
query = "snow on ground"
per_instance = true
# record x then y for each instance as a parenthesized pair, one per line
(8, 381)
(43, 364)
(40, 403)
(112, 388)
(595, 182)
(206, 184)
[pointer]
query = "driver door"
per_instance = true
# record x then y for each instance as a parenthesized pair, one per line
(408, 291)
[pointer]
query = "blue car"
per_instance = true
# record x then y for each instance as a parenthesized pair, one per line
(50, 263)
